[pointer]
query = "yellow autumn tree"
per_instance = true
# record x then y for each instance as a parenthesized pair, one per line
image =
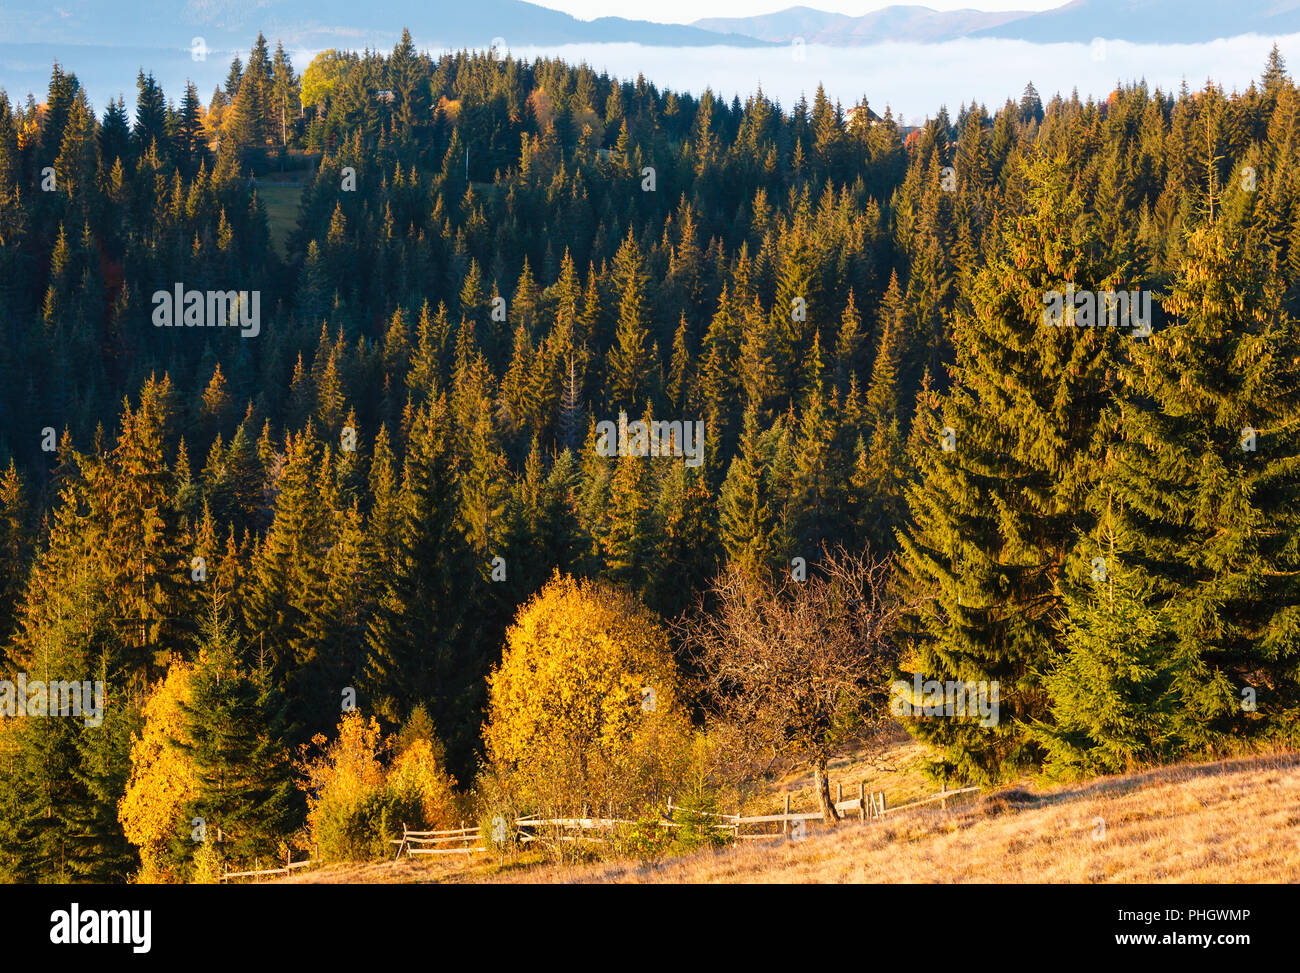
(322, 77)
(162, 778)
(585, 707)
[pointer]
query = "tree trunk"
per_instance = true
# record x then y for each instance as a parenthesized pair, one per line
(822, 784)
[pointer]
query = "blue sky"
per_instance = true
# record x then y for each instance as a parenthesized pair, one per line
(686, 11)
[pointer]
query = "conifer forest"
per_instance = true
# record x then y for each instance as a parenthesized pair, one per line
(405, 439)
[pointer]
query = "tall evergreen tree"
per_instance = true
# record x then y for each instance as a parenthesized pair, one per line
(1005, 472)
(234, 736)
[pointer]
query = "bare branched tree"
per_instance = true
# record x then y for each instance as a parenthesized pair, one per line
(796, 669)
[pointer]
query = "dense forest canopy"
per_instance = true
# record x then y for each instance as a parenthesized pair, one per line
(489, 258)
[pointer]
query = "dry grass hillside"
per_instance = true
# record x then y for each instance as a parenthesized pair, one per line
(1229, 821)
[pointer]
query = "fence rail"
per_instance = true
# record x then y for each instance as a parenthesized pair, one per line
(289, 867)
(942, 796)
(468, 840)
(426, 842)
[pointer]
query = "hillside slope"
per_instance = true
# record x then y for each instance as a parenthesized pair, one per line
(1234, 821)
(1231, 821)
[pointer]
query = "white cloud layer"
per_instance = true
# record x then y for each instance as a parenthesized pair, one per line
(688, 11)
(916, 79)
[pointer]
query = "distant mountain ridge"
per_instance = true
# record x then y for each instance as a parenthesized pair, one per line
(895, 23)
(1137, 21)
(1152, 21)
(315, 24)
(331, 23)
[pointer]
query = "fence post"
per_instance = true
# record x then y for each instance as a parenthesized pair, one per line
(785, 824)
(839, 793)
(862, 800)
(943, 802)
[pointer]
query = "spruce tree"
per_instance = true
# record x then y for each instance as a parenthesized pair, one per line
(746, 517)
(1006, 468)
(1204, 473)
(415, 641)
(1116, 681)
(235, 738)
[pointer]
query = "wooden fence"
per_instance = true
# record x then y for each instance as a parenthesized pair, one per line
(433, 842)
(289, 867)
(868, 805)
(467, 840)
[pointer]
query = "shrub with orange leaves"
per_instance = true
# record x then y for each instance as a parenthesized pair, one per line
(356, 803)
(418, 776)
